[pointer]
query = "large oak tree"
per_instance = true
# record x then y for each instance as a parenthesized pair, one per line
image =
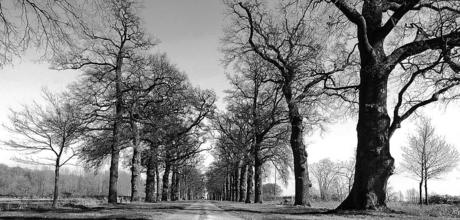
(414, 41)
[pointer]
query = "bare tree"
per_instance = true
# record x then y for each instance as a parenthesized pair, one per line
(326, 172)
(428, 155)
(348, 172)
(44, 24)
(285, 38)
(415, 42)
(56, 128)
(114, 36)
(254, 95)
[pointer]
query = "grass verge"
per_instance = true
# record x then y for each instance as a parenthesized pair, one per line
(151, 211)
(322, 210)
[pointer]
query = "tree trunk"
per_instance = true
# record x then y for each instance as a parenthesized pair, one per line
(302, 180)
(258, 173)
(157, 175)
(420, 187)
(224, 191)
(56, 185)
(236, 180)
(115, 154)
(232, 187)
(236, 177)
(426, 191)
(136, 164)
(374, 163)
(250, 184)
(173, 186)
(243, 183)
(150, 182)
(113, 180)
(227, 187)
(164, 191)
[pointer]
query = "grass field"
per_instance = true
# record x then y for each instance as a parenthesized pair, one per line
(321, 210)
(90, 209)
(151, 211)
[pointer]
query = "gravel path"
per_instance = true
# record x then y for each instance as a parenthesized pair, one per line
(202, 211)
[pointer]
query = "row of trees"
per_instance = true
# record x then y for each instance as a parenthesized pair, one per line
(127, 102)
(323, 57)
(316, 59)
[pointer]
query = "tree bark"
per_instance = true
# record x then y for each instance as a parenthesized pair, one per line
(243, 183)
(302, 179)
(56, 184)
(157, 175)
(374, 163)
(113, 180)
(258, 173)
(420, 190)
(164, 192)
(224, 190)
(175, 189)
(173, 186)
(136, 164)
(227, 187)
(421, 185)
(150, 182)
(250, 184)
(236, 178)
(426, 189)
(232, 186)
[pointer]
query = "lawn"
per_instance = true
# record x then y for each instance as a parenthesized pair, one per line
(84, 209)
(322, 210)
(151, 211)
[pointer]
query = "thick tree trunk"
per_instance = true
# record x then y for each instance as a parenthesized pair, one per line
(257, 174)
(113, 180)
(302, 179)
(175, 194)
(56, 184)
(374, 163)
(136, 164)
(164, 192)
(173, 186)
(243, 183)
(150, 182)
(250, 184)
(236, 180)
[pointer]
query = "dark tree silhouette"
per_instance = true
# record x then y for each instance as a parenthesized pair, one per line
(414, 42)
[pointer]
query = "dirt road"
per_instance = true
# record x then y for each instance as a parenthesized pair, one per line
(202, 211)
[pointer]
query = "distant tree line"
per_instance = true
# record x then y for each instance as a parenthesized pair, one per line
(38, 183)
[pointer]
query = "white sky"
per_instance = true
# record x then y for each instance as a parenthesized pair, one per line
(190, 32)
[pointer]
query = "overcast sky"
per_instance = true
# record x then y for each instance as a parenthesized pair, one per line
(189, 32)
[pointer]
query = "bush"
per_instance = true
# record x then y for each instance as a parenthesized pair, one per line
(437, 199)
